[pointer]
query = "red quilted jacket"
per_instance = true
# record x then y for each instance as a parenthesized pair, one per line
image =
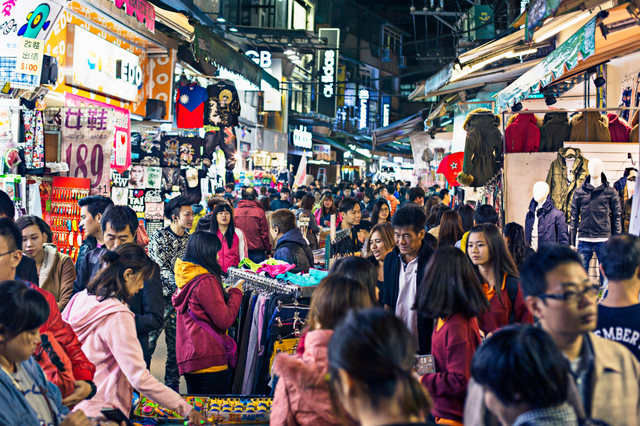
(523, 134)
(618, 128)
(83, 369)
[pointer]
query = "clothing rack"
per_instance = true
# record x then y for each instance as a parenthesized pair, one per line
(259, 283)
(340, 235)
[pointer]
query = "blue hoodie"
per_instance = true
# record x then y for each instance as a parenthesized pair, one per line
(21, 413)
(294, 249)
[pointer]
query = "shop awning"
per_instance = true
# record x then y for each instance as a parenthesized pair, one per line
(339, 145)
(578, 47)
(397, 130)
(214, 49)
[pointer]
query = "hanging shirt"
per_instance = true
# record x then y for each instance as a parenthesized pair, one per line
(223, 105)
(190, 102)
(570, 162)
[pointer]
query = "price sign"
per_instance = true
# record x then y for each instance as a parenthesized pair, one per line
(30, 55)
(87, 135)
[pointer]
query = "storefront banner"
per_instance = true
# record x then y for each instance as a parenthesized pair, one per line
(301, 176)
(31, 19)
(86, 142)
(142, 10)
(577, 48)
(121, 152)
(328, 70)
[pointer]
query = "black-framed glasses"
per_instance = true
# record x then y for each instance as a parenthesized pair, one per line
(9, 252)
(573, 296)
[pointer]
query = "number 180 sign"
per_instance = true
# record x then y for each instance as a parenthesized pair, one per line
(30, 55)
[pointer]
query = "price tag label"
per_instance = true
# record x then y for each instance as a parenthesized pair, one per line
(30, 55)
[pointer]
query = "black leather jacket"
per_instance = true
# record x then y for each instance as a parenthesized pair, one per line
(595, 212)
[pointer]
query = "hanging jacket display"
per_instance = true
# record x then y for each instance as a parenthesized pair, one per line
(562, 182)
(595, 130)
(552, 225)
(522, 134)
(555, 131)
(621, 184)
(595, 212)
(223, 106)
(483, 148)
(618, 128)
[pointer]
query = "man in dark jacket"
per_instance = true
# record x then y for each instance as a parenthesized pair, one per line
(91, 210)
(26, 269)
(283, 202)
(404, 268)
(250, 218)
(291, 247)
(119, 224)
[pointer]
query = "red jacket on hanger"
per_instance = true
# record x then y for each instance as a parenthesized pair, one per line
(522, 134)
(618, 128)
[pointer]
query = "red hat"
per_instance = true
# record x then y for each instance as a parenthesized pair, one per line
(451, 166)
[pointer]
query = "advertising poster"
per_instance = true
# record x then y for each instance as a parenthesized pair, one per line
(121, 153)
(31, 19)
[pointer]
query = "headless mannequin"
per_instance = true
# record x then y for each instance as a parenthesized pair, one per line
(540, 194)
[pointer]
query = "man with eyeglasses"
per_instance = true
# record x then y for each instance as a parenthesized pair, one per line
(26, 269)
(559, 293)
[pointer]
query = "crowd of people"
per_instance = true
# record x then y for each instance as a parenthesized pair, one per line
(429, 278)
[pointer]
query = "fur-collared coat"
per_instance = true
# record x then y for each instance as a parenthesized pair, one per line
(483, 148)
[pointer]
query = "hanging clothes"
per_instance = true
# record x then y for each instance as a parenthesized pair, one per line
(33, 125)
(555, 131)
(483, 148)
(563, 180)
(522, 133)
(190, 102)
(618, 128)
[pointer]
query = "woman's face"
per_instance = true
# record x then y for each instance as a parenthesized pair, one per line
(133, 281)
(327, 203)
(477, 249)
(32, 241)
(317, 197)
(378, 248)
(223, 218)
(21, 347)
(383, 213)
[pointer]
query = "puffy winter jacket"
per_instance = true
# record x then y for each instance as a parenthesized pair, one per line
(199, 292)
(321, 220)
(483, 148)
(593, 209)
(250, 217)
(555, 131)
(552, 225)
(522, 134)
(596, 129)
(302, 394)
(562, 190)
(232, 256)
(618, 128)
(294, 249)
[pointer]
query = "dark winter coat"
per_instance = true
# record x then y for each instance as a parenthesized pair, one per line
(552, 225)
(391, 290)
(562, 191)
(618, 128)
(596, 129)
(294, 249)
(595, 212)
(556, 130)
(483, 148)
(522, 134)
(88, 244)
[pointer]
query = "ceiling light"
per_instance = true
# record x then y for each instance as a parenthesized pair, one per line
(289, 51)
(523, 53)
(221, 20)
(233, 30)
(292, 53)
(541, 37)
(457, 74)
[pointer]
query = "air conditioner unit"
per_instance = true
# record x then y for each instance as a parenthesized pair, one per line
(386, 55)
(402, 62)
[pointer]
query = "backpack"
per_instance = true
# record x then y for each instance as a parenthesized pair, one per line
(512, 292)
(55, 363)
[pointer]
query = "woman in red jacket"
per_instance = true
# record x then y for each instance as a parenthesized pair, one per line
(498, 274)
(452, 294)
(203, 306)
(234, 244)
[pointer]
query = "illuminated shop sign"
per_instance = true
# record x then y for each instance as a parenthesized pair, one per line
(302, 138)
(262, 58)
(386, 110)
(328, 70)
(364, 108)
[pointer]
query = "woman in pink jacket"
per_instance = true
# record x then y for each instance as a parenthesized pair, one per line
(106, 328)
(302, 394)
(234, 245)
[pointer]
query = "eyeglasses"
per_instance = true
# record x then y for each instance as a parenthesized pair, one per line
(573, 296)
(9, 252)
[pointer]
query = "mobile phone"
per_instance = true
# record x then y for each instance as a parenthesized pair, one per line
(115, 415)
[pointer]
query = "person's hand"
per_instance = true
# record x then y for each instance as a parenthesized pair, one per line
(239, 285)
(197, 419)
(77, 418)
(81, 391)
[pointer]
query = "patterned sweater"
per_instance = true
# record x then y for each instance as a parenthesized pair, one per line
(164, 248)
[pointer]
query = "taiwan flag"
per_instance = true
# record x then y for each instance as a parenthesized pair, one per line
(190, 107)
(451, 166)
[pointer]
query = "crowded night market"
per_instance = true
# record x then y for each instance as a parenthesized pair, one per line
(319, 212)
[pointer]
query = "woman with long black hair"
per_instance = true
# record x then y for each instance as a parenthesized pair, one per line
(514, 236)
(499, 277)
(234, 246)
(204, 307)
(381, 212)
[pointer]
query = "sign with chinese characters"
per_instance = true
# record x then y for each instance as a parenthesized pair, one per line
(95, 64)
(86, 142)
(9, 46)
(121, 152)
(30, 19)
(30, 53)
(386, 110)
(302, 138)
(364, 108)
(327, 70)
